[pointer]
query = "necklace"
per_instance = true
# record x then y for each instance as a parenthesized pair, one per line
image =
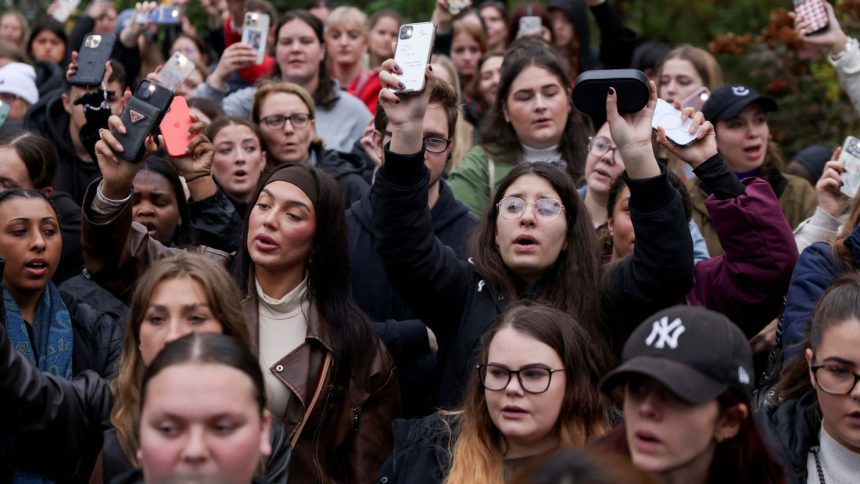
(815, 451)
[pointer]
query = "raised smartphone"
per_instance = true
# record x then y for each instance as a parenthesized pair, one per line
(174, 127)
(175, 71)
(850, 159)
(814, 14)
(141, 117)
(669, 118)
(412, 54)
(529, 24)
(698, 99)
(255, 31)
(64, 10)
(95, 52)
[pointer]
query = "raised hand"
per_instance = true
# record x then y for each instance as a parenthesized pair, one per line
(830, 199)
(117, 174)
(833, 38)
(698, 151)
(632, 134)
(405, 111)
(235, 57)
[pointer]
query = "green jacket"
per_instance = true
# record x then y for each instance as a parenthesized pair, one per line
(471, 180)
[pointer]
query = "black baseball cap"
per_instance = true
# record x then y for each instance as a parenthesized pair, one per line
(695, 352)
(728, 101)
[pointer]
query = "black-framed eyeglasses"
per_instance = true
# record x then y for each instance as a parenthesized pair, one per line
(598, 146)
(512, 208)
(433, 145)
(278, 121)
(834, 378)
(533, 379)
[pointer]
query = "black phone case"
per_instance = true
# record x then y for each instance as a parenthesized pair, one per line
(631, 87)
(139, 119)
(155, 95)
(91, 62)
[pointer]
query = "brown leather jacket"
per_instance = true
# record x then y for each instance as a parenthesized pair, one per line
(341, 432)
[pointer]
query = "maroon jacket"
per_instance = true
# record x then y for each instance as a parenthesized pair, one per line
(747, 283)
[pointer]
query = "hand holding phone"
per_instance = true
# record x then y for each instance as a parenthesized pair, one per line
(141, 117)
(529, 25)
(95, 52)
(850, 159)
(669, 118)
(412, 54)
(175, 128)
(255, 32)
(698, 99)
(814, 14)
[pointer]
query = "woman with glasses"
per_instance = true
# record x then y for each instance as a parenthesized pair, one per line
(534, 120)
(285, 113)
(814, 424)
(533, 391)
(534, 242)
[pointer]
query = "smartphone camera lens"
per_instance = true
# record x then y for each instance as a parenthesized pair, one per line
(406, 32)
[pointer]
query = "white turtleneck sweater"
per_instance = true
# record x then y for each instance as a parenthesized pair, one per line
(283, 326)
(839, 464)
(540, 154)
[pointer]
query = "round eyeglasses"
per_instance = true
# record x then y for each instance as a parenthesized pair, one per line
(599, 146)
(834, 378)
(533, 379)
(512, 208)
(278, 121)
(432, 145)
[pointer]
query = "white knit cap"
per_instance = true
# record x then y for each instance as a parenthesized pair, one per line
(19, 79)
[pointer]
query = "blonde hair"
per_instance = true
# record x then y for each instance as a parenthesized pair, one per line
(347, 15)
(224, 302)
(703, 62)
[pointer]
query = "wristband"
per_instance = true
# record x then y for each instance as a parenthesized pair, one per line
(189, 180)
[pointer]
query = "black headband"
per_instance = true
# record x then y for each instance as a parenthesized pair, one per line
(299, 175)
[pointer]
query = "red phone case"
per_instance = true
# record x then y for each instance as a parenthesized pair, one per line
(174, 127)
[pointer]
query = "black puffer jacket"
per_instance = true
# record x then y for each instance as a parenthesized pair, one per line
(456, 303)
(71, 259)
(792, 429)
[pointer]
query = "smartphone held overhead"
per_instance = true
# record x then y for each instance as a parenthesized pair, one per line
(174, 127)
(141, 117)
(94, 54)
(175, 71)
(850, 159)
(412, 54)
(814, 14)
(669, 118)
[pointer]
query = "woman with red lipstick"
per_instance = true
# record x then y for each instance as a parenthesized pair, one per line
(685, 385)
(743, 140)
(814, 423)
(239, 159)
(329, 379)
(534, 391)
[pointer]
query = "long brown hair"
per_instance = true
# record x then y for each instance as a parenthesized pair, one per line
(224, 302)
(498, 137)
(838, 243)
(478, 454)
(324, 95)
(575, 272)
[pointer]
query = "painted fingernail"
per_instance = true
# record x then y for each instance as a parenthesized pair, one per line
(431, 68)
(397, 101)
(401, 86)
(397, 68)
(611, 91)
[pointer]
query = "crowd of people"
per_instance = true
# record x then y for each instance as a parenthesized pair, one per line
(477, 282)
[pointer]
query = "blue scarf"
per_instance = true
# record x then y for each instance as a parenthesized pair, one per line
(52, 332)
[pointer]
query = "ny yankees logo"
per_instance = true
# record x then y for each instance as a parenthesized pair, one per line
(666, 332)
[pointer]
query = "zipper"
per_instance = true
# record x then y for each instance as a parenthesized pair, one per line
(317, 431)
(356, 413)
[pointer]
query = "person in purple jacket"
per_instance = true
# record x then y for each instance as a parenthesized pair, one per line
(748, 281)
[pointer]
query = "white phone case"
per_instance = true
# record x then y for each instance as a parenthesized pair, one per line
(414, 46)
(669, 118)
(175, 71)
(255, 31)
(850, 158)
